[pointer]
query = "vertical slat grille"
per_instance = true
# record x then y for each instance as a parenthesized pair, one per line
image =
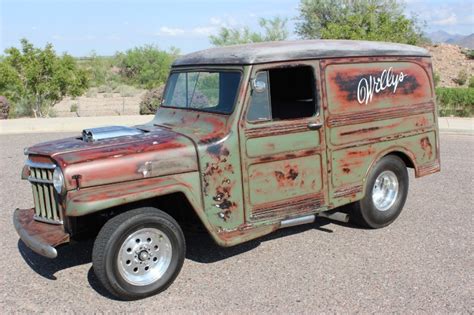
(47, 207)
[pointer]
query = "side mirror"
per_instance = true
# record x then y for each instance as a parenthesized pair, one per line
(259, 86)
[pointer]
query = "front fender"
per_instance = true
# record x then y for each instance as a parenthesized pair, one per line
(93, 199)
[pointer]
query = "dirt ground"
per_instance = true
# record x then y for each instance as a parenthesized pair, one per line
(448, 61)
(421, 264)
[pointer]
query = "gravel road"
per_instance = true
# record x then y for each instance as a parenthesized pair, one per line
(422, 263)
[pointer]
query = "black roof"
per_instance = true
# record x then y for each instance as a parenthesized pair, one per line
(296, 50)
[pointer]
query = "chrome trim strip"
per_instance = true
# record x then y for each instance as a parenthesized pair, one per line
(40, 165)
(297, 221)
(46, 220)
(38, 180)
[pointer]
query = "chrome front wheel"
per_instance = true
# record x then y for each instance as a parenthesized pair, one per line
(144, 256)
(138, 253)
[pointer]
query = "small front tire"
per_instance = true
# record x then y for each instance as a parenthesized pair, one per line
(385, 194)
(138, 253)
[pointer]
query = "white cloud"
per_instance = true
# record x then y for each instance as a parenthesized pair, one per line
(451, 19)
(204, 30)
(216, 21)
(170, 31)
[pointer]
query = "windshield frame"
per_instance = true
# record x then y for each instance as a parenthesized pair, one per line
(205, 69)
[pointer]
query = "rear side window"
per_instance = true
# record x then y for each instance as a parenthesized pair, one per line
(283, 93)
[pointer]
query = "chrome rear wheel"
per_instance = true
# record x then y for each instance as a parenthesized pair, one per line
(385, 190)
(385, 194)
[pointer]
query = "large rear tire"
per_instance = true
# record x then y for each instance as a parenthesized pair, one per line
(386, 191)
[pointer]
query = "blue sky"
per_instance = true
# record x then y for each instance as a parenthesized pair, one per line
(107, 26)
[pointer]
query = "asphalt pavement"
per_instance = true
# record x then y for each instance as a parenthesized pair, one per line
(422, 263)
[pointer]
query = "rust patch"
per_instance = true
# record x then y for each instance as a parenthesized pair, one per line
(50, 234)
(346, 170)
(363, 153)
(427, 148)
(359, 131)
(428, 169)
(379, 114)
(347, 191)
(293, 206)
(284, 127)
(422, 122)
(287, 177)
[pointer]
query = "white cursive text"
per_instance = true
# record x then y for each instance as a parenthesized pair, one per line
(387, 79)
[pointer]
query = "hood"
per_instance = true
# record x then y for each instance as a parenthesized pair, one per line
(123, 154)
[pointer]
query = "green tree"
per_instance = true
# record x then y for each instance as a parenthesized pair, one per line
(273, 30)
(377, 20)
(146, 66)
(37, 79)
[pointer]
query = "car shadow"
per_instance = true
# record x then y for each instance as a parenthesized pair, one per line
(74, 254)
(200, 248)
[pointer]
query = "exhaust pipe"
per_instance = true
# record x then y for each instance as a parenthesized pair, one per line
(336, 216)
(297, 221)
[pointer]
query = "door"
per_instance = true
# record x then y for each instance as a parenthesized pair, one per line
(282, 143)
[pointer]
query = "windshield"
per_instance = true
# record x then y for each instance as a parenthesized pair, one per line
(212, 91)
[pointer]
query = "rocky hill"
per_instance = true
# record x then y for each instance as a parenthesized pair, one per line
(442, 37)
(467, 41)
(448, 61)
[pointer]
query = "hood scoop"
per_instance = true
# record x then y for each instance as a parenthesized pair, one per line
(102, 133)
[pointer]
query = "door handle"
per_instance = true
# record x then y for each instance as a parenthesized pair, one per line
(315, 125)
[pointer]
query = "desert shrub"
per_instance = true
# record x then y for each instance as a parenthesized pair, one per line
(4, 107)
(127, 90)
(105, 89)
(92, 92)
(145, 66)
(469, 53)
(100, 69)
(462, 77)
(151, 101)
(455, 101)
(436, 78)
(36, 79)
(74, 108)
(380, 20)
(471, 82)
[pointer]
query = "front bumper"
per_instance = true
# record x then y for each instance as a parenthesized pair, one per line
(41, 237)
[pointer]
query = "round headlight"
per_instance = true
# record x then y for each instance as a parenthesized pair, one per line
(58, 180)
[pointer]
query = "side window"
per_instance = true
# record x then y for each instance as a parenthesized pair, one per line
(260, 101)
(289, 94)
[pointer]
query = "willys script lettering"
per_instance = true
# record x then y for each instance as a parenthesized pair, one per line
(368, 86)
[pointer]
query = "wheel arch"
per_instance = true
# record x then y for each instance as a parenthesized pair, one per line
(176, 195)
(404, 154)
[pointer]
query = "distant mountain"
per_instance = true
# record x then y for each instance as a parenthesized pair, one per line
(453, 39)
(467, 41)
(443, 37)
